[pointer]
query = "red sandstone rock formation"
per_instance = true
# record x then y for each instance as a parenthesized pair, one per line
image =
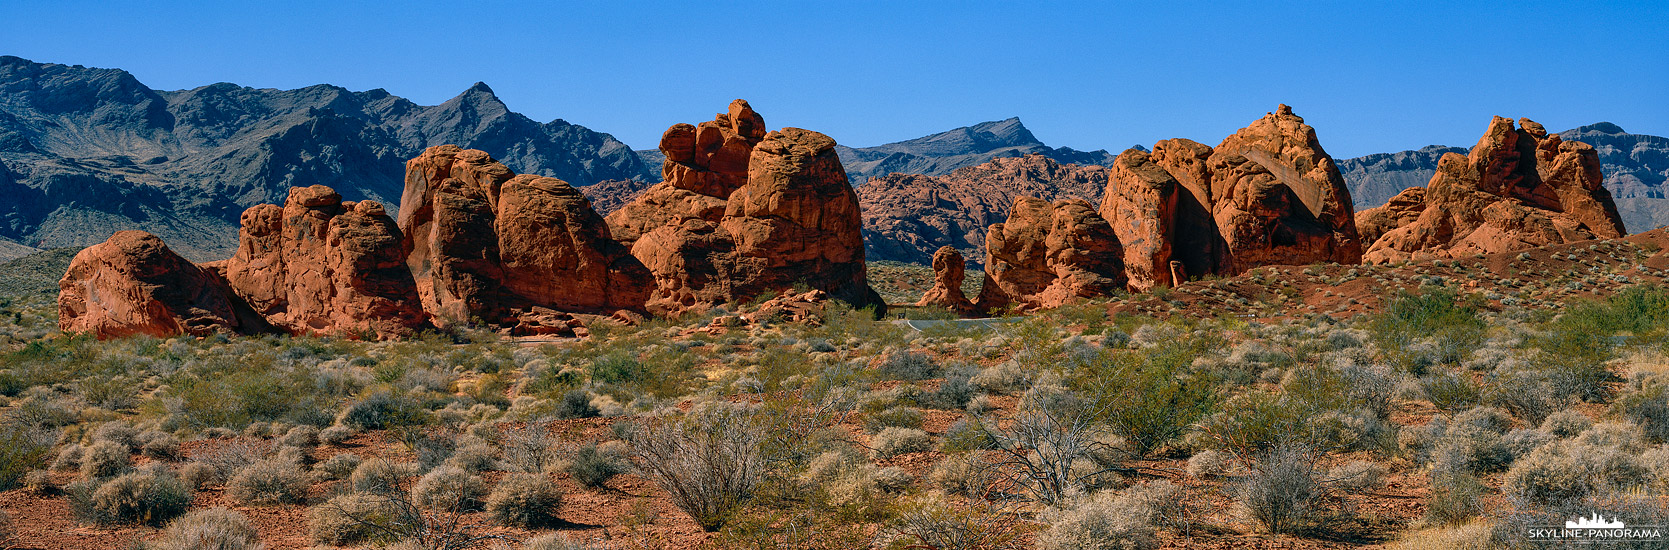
(1046, 255)
(948, 274)
(133, 284)
(1266, 195)
(488, 244)
(319, 265)
(907, 217)
(718, 232)
(1518, 188)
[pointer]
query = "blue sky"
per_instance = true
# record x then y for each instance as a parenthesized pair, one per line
(1089, 75)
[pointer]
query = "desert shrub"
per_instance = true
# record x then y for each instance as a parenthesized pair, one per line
(967, 434)
(1150, 398)
(272, 481)
(68, 458)
(118, 432)
(378, 476)
(1456, 497)
(1571, 470)
(531, 449)
(955, 391)
(139, 497)
(105, 459)
(232, 456)
(1566, 423)
(528, 501)
(907, 365)
(1614, 435)
(1468, 448)
(211, 529)
(340, 466)
(1530, 395)
(592, 467)
(39, 483)
(449, 488)
(980, 404)
(1281, 490)
(1471, 536)
(161, 447)
(1357, 475)
(336, 435)
(1099, 523)
(556, 541)
(893, 441)
(1450, 391)
(1209, 463)
(931, 522)
(22, 448)
(1452, 324)
(198, 475)
(1576, 358)
(892, 417)
(576, 404)
(474, 457)
(300, 436)
(964, 475)
(352, 518)
(383, 409)
(1649, 408)
(1250, 424)
(709, 461)
(1005, 377)
(1519, 443)
(1485, 418)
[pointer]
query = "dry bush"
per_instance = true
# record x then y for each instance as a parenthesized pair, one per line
(449, 488)
(300, 436)
(892, 442)
(1456, 497)
(271, 481)
(1282, 489)
(1209, 463)
(1477, 535)
(340, 466)
(907, 365)
(380, 475)
(932, 522)
(1357, 475)
(709, 462)
(211, 529)
(1114, 521)
(336, 435)
(139, 497)
(161, 446)
(528, 501)
(1566, 423)
(349, 519)
(892, 417)
(39, 483)
(104, 459)
(118, 432)
(1573, 470)
(475, 457)
(198, 475)
(593, 466)
(532, 449)
(556, 541)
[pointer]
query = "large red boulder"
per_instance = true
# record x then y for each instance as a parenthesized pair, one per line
(949, 271)
(133, 284)
(1517, 188)
(1047, 255)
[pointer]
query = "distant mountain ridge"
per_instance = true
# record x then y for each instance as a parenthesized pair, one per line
(1636, 167)
(944, 152)
(87, 151)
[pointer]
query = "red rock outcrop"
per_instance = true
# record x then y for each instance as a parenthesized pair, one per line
(1047, 255)
(134, 284)
(704, 164)
(488, 244)
(713, 234)
(318, 265)
(1269, 194)
(949, 271)
(1518, 188)
(907, 217)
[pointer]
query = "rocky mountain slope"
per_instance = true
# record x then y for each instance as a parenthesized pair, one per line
(88, 151)
(907, 217)
(1635, 167)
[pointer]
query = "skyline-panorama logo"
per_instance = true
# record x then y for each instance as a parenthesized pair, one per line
(1596, 528)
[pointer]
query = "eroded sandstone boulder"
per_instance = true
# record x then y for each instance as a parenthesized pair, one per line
(487, 244)
(949, 271)
(1047, 255)
(1517, 188)
(704, 164)
(1269, 194)
(133, 284)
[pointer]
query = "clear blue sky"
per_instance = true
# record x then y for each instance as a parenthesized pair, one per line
(1087, 75)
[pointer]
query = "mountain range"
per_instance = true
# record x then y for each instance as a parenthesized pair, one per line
(87, 151)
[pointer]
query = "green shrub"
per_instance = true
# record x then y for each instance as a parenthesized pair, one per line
(1151, 398)
(619, 368)
(139, 497)
(1450, 391)
(211, 529)
(271, 481)
(1649, 408)
(576, 404)
(967, 434)
(907, 365)
(1451, 322)
(528, 501)
(593, 468)
(383, 409)
(955, 391)
(22, 448)
(893, 417)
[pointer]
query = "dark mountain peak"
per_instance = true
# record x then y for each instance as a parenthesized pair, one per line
(1009, 132)
(1601, 128)
(480, 88)
(1436, 148)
